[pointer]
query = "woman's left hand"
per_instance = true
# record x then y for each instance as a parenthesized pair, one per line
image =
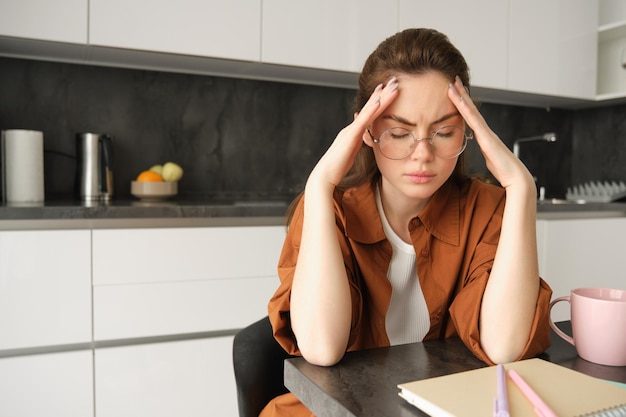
(501, 162)
(509, 301)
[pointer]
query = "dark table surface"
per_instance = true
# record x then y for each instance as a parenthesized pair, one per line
(364, 383)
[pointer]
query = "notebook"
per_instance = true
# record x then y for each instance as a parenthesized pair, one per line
(569, 393)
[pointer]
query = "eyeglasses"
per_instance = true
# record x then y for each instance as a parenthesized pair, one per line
(397, 143)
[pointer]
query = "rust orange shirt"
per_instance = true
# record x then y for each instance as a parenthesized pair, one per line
(455, 239)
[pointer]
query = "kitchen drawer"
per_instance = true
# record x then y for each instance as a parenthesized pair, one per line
(185, 378)
(51, 385)
(129, 311)
(45, 288)
(134, 256)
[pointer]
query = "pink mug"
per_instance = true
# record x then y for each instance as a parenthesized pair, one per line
(598, 317)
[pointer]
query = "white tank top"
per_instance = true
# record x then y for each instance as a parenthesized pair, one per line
(407, 319)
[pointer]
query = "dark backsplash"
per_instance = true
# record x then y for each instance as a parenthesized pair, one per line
(256, 139)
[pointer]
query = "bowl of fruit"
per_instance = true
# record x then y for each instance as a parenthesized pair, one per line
(160, 182)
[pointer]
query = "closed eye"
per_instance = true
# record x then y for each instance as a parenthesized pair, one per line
(446, 132)
(452, 133)
(399, 133)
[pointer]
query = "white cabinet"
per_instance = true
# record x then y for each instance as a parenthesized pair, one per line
(328, 34)
(45, 288)
(184, 378)
(150, 282)
(519, 51)
(187, 289)
(59, 21)
(612, 49)
(581, 253)
(192, 27)
(530, 46)
(465, 24)
(51, 385)
(199, 283)
(553, 47)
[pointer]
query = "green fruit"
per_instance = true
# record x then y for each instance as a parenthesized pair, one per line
(172, 172)
(157, 168)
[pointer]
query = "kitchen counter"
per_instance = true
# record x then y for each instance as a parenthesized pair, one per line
(571, 210)
(62, 214)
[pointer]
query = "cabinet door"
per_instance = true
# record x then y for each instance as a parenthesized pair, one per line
(60, 20)
(134, 256)
(143, 310)
(479, 29)
(327, 34)
(45, 288)
(221, 29)
(553, 47)
(611, 49)
(51, 385)
(184, 378)
(582, 253)
(182, 280)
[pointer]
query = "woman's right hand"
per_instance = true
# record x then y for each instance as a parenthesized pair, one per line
(321, 309)
(339, 157)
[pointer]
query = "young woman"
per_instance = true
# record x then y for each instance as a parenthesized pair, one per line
(391, 243)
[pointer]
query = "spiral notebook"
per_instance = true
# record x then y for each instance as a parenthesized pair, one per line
(469, 394)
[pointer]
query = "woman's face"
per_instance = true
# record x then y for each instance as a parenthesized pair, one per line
(422, 107)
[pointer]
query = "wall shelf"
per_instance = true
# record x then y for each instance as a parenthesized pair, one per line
(611, 81)
(612, 31)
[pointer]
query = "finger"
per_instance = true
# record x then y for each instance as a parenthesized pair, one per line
(460, 97)
(488, 141)
(380, 99)
(352, 134)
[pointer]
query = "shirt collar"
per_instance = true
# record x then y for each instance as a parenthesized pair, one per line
(440, 217)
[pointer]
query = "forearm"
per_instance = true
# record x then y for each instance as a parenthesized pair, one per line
(320, 297)
(509, 302)
(321, 305)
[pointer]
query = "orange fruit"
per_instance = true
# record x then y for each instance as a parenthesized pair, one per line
(149, 176)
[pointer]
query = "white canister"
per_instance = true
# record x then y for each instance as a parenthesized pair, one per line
(23, 178)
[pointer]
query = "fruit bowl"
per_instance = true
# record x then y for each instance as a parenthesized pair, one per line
(146, 190)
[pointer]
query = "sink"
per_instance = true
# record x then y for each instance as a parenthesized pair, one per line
(560, 208)
(559, 201)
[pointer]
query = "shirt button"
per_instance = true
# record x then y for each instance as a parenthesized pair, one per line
(415, 222)
(425, 253)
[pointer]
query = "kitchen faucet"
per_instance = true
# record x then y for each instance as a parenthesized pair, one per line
(548, 137)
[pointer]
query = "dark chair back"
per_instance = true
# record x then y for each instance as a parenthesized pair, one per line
(258, 364)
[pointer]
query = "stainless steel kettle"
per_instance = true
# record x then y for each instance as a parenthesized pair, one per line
(94, 174)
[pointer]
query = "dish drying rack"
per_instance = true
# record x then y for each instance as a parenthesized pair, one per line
(597, 192)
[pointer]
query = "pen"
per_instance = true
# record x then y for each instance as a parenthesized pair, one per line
(501, 402)
(541, 408)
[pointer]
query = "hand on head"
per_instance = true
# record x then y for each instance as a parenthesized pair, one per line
(339, 157)
(501, 162)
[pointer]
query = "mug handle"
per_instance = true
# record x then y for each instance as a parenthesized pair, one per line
(569, 339)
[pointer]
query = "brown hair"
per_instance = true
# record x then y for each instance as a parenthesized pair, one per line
(411, 52)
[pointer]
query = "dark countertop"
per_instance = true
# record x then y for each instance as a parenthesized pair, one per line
(197, 211)
(569, 210)
(132, 209)
(68, 213)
